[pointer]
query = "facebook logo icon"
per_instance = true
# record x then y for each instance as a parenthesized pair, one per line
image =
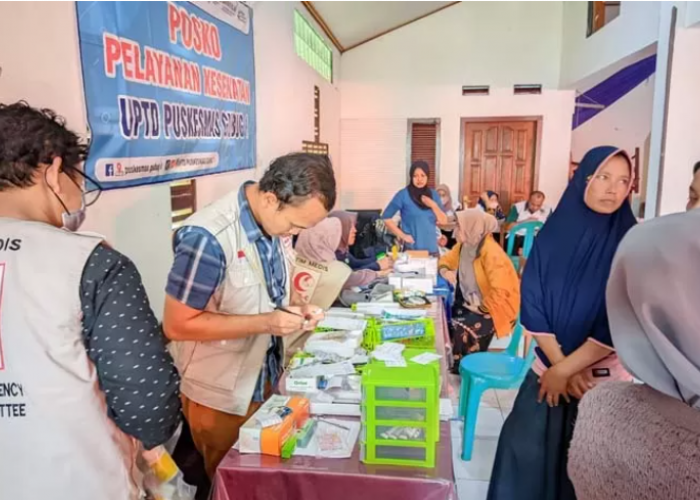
(109, 170)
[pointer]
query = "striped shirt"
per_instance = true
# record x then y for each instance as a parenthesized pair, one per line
(272, 260)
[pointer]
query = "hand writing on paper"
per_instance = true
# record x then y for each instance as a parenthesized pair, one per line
(283, 323)
(313, 315)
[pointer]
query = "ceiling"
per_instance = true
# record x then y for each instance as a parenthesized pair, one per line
(353, 23)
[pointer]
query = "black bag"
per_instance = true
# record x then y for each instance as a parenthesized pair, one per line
(373, 237)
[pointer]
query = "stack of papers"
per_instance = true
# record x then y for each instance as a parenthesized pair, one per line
(426, 358)
(391, 353)
(327, 370)
(343, 312)
(377, 309)
(337, 322)
(333, 438)
(341, 343)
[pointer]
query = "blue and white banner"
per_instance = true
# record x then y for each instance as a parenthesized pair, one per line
(169, 89)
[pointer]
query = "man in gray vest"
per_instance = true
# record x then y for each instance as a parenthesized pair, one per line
(228, 294)
(84, 372)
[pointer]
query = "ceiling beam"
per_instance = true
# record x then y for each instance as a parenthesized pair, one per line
(322, 23)
(396, 27)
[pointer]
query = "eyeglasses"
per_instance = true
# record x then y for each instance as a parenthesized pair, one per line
(91, 188)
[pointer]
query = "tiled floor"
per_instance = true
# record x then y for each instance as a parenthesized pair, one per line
(473, 477)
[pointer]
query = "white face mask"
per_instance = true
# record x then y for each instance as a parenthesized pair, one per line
(73, 220)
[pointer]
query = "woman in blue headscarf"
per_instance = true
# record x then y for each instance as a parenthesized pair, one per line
(563, 307)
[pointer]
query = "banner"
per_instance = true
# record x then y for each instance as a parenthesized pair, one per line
(169, 89)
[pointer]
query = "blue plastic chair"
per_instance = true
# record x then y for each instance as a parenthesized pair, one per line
(481, 371)
(530, 229)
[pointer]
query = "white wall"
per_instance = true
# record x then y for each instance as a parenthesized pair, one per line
(43, 67)
(625, 124)
(418, 72)
(471, 43)
(682, 145)
(285, 97)
(635, 28)
(692, 13)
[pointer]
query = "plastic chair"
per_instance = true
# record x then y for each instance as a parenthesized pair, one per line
(530, 229)
(481, 371)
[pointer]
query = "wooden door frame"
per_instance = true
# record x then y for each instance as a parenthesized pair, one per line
(501, 119)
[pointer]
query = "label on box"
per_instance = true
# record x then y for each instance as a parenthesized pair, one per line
(301, 384)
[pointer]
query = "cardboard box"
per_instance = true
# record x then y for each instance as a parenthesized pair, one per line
(418, 254)
(254, 438)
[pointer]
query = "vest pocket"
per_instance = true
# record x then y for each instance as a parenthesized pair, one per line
(241, 276)
(217, 365)
(231, 345)
(241, 293)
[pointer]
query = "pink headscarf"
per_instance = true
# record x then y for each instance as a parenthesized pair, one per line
(320, 242)
(348, 220)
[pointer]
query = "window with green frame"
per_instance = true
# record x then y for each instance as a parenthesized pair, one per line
(311, 47)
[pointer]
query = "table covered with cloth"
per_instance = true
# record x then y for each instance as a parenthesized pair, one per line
(263, 477)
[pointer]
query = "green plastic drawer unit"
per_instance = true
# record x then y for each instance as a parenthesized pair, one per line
(400, 413)
(409, 354)
(405, 454)
(418, 333)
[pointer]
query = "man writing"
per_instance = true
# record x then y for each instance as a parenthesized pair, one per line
(227, 295)
(532, 210)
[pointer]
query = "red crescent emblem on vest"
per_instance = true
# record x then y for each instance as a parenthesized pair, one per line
(302, 281)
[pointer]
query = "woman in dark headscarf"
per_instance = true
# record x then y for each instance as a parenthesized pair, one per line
(563, 307)
(348, 221)
(421, 211)
(490, 202)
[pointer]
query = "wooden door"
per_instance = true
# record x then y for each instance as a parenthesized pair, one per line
(500, 157)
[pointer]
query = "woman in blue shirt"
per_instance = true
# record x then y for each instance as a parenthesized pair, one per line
(421, 211)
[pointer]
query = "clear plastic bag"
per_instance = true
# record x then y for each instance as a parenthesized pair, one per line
(163, 479)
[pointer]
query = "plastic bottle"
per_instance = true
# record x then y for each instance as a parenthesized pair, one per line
(165, 481)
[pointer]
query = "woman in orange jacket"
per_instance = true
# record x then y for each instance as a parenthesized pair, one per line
(487, 287)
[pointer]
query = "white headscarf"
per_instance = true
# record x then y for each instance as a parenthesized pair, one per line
(653, 300)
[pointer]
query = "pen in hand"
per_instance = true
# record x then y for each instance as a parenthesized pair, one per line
(284, 309)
